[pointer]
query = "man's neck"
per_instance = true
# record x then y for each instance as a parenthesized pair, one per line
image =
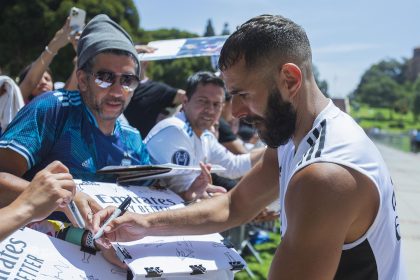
(311, 106)
(196, 130)
(106, 127)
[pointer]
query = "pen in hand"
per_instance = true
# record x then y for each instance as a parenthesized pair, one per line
(205, 146)
(117, 212)
(76, 214)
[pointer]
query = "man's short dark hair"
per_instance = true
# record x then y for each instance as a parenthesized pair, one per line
(266, 38)
(202, 78)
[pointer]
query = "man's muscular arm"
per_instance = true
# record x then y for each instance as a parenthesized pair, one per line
(327, 205)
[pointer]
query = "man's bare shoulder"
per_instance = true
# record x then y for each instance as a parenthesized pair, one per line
(334, 195)
(324, 177)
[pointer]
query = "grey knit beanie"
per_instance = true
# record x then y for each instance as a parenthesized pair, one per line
(100, 34)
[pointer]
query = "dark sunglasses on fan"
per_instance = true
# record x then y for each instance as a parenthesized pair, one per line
(105, 79)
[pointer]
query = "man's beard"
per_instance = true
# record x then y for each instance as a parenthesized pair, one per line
(96, 106)
(278, 124)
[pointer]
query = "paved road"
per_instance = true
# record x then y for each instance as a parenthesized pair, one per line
(405, 172)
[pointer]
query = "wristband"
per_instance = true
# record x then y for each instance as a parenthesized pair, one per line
(88, 243)
(49, 51)
(73, 235)
(80, 237)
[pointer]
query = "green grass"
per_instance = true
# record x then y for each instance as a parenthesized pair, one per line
(266, 251)
(394, 127)
(384, 119)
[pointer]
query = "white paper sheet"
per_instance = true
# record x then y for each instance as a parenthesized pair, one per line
(172, 254)
(144, 199)
(28, 254)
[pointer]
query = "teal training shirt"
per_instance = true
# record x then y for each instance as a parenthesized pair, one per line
(58, 126)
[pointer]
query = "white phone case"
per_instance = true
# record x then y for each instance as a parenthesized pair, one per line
(77, 19)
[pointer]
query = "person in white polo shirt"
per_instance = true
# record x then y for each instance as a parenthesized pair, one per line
(185, 139)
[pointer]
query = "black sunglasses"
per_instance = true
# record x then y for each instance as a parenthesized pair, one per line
(105, 79)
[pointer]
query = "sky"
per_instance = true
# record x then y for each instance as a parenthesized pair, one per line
(347, 36)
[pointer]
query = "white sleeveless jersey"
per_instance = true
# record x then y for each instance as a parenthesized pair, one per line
(336, 138)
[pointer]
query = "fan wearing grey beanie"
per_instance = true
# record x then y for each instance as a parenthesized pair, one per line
(81, 129)
(106, 55)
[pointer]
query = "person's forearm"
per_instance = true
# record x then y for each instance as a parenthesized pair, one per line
(35, 73)
(198, 218)
(38, 67)
(235, 147)
(10, 188)
(13, 216)
(220, 212)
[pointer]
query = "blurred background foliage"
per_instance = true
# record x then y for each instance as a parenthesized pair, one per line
(28, 26)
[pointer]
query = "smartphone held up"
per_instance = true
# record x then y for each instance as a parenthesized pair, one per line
(77, 19)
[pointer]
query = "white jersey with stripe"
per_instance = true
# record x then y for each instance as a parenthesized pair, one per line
(336, 138)
(173, 140)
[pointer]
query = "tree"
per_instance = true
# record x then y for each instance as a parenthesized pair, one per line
(382, 85)
(209, 29)
(225, 30)
(416, 99)
(390, 68)
(27, 26)
(174, 72)
(165, 34)
(381, 92)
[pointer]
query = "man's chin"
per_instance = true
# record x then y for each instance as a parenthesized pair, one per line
(272, 141)
(110, 116)
(205, 125)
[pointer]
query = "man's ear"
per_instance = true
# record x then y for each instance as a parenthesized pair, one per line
(82, 80)
(290, 78)
(185, 101)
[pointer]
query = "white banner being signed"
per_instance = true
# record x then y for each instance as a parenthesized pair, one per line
(144, 199)
(28, 254)
(170, 257)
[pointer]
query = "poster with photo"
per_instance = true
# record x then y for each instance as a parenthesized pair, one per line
(189, 47)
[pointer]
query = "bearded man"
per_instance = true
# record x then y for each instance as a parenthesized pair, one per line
(338, 210)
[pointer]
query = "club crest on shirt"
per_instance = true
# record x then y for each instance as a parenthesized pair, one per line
(181, 157)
